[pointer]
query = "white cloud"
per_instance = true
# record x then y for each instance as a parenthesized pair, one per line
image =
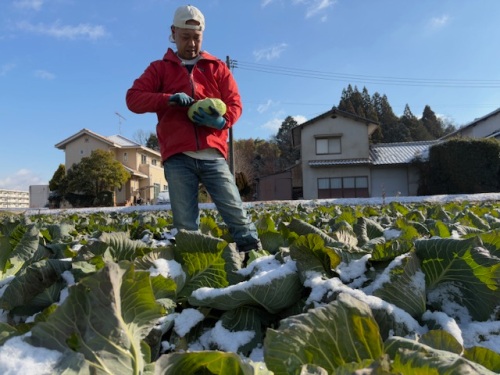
(274, 125)
(5, 68)
(318, 6)
(265, 3)
(266, 106)
(315, 7)
(439, 22)
(270, 53)
(21, 180)
(43, 74)
(81, 31)
(300, 119)
(29, 4)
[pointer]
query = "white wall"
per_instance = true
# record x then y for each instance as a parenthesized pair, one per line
(354, 139)
(389, 182)
(483, 128)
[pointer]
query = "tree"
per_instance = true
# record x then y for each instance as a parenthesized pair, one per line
(58, 178)
(417, 130)
(141, 137)
(392, 130)
(244, 151)
(254, 158)
(96, 173)
(266, 158)
(152, 142)
(369, 109)
(434, 126)
(345, 103)
(288, 153)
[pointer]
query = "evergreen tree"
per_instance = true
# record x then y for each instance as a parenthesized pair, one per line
(434, 126)
(288, 153)
(416, 129)
(58, 178)
(392, 130)
(152, 142)
(370, 113)
(345, 103)
(358, 103)
(377, 109)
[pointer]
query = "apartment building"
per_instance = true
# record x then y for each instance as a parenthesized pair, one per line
(14, 199)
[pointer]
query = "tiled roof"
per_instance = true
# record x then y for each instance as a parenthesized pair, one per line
(398, 153)
(327, 163)
(383, 154)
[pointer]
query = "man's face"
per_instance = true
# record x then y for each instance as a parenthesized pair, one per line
(188, 42)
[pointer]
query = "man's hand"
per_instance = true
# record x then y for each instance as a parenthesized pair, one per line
(212, 119)
(182, 99)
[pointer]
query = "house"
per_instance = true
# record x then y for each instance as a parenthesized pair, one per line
(487, 126)
(14, 199)
(338, 160)
(144, 164)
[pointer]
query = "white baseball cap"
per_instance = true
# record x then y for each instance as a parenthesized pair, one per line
(186, 13)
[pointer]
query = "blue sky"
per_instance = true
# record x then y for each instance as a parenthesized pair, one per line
(67, 64)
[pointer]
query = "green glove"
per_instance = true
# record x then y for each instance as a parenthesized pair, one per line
(212, 119)
(182, 99)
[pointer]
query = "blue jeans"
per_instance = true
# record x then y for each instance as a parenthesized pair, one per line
(184, 173)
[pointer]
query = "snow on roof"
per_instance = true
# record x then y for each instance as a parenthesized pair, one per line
(398, 153)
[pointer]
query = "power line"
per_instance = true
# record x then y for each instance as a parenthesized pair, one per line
(384, 80)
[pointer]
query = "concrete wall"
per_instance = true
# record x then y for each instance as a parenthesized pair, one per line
(39, 196)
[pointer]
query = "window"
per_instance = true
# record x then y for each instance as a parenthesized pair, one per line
(144, 159)
(343, 187)
(154, 162)
(125, 157)
(328, 146)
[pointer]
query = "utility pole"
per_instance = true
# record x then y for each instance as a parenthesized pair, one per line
(230, 64)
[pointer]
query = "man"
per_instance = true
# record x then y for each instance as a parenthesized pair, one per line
(194, 151)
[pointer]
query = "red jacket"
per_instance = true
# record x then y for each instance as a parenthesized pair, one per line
(210, 78)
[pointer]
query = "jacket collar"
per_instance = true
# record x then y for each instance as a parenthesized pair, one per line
(170, 55)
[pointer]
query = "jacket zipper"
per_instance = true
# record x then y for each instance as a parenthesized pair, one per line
(191, 80)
